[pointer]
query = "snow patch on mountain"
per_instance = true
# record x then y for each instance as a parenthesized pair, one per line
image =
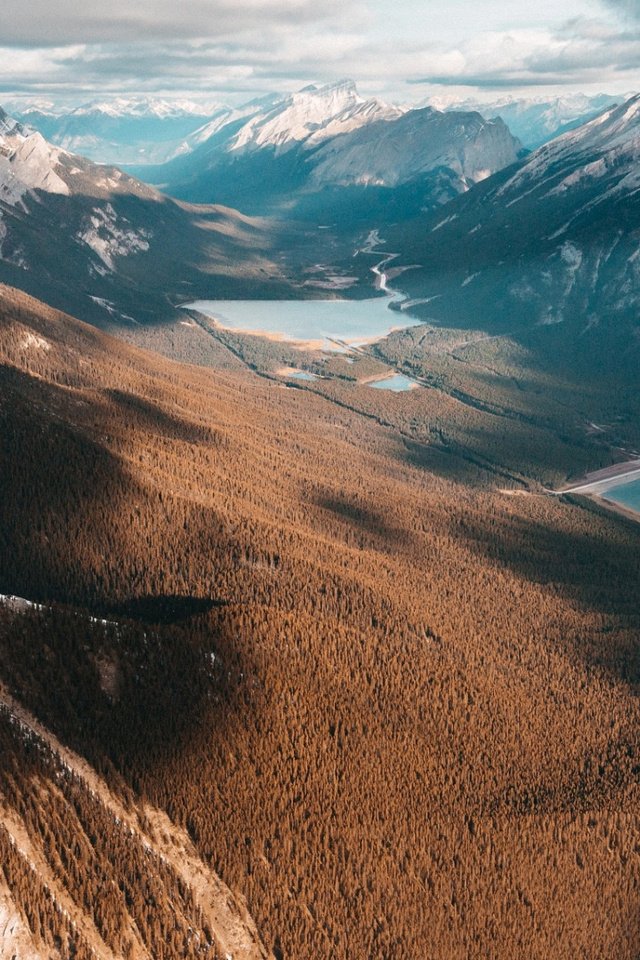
(355, 116)
(606, 144)
(109, 237)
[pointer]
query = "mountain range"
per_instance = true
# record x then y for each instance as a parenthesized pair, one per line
(291, 667)
(97, 241)
(125, 130)
(535, 120)
(522, 240)
(326, 152)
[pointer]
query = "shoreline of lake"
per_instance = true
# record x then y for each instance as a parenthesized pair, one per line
(315, 324)
(601, 484)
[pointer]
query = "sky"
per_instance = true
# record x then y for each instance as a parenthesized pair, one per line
(225, 51)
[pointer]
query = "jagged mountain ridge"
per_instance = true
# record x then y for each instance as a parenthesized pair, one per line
(308, 117)
(144, 130)
(552, 240)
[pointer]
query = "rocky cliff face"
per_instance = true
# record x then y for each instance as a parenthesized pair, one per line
(397, 151)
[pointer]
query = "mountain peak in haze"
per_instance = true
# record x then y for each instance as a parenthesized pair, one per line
(142, 107)
(535, 120)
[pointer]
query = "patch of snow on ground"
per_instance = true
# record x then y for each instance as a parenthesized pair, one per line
(32, 341)
(589, 172)
(454, 216)
(112, 311)
(571, 255)
(17, 604)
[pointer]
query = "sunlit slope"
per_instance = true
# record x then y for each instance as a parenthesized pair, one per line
(88, 870)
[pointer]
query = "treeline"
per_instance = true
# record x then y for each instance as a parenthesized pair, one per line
(398, 713)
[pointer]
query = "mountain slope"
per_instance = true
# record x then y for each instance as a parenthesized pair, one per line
(416, 143)
(95, 240)
(118, 844)
(389, 707)
(549, 244)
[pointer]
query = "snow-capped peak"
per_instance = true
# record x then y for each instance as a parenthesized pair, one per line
(607, 148)
(9, 126)
(24, 107)
(310, 114)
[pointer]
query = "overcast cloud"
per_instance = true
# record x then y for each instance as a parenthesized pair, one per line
(43, 22)
(229, 51)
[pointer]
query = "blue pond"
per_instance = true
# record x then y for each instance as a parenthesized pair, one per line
(397, 383)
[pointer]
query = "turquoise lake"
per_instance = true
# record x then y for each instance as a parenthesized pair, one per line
(626, 494)
(323, 323)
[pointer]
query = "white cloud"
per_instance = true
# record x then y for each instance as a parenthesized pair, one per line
(41, 22)
(233, 51)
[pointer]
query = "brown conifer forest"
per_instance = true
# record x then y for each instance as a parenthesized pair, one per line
(392, 707)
